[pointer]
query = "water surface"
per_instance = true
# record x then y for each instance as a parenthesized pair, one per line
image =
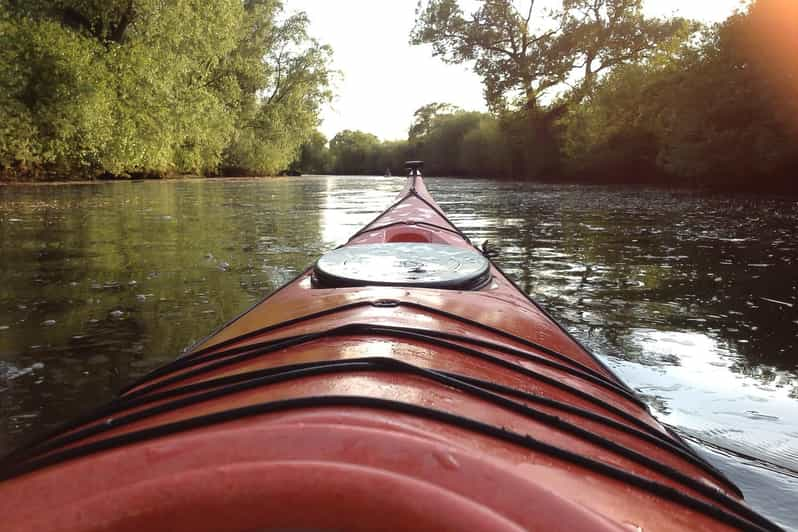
(692, 299)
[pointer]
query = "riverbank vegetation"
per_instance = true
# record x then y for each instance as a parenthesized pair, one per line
(142, 87)
(601, 93)
(591, 91)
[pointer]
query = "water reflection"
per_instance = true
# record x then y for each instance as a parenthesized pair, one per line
(100, 283)
(692, 299)
(608, 258)
(690, 379)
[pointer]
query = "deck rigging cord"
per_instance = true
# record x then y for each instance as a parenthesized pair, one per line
(198, 367)
(751, 521)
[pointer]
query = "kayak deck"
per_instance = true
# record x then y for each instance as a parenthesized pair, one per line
(376, 407)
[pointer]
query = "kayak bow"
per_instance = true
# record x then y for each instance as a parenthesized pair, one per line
(403, 381)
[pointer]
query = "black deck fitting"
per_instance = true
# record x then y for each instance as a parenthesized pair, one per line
(414, 167)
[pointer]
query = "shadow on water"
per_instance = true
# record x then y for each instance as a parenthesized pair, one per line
(692, 299)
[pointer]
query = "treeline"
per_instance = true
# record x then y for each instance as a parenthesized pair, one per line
(145, 87)
(718, 110)
(451, 141)
(676, 103)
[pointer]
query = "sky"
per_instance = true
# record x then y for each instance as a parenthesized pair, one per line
(383, 79)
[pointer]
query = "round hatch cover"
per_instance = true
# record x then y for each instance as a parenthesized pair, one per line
(403, 264)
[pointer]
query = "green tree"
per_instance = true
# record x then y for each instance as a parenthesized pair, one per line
(526, 61)
(129, 87)
(424, 116)
(457, 142)
(442, 146)
(286, 77)
(708, 111)
(53, 101)
(616, 133)
(354, 152)
(485, 151)
(314, 156)
(520, 57)
(166, 117)
(730, 114)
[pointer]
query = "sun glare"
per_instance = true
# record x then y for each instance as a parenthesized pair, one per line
(771, 42)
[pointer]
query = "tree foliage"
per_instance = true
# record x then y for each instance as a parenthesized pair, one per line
(354, 152)
(537, 64)
(522, 54)
(746, 126)
(711, 112)
(278, 114)
(453, 141)
(597, 91)
(709, 107)
(314, 156)
(127, 87)
(424, 117)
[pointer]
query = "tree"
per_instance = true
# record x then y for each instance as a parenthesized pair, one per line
(730, 112)
(392, 155)
(710, 111)
(535, 68)
(485, 151)
(354, 152)
(424, 116)
(54, 101)
(314, 156)
(283, 78)
(443, 145)
(126, 87)
(522, 58)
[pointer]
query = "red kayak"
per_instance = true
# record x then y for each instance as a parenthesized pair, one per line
(401, 383)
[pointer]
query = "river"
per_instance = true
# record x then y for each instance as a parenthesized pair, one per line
(691, 298)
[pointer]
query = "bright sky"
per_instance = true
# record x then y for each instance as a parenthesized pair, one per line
(384, 79)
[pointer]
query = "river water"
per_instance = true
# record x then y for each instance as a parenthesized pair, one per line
(692, 299)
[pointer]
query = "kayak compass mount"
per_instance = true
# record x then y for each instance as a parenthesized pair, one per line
(415, 264)
(407, 262)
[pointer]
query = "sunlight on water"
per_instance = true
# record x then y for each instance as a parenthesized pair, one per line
(344, 212)
(688, 379)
